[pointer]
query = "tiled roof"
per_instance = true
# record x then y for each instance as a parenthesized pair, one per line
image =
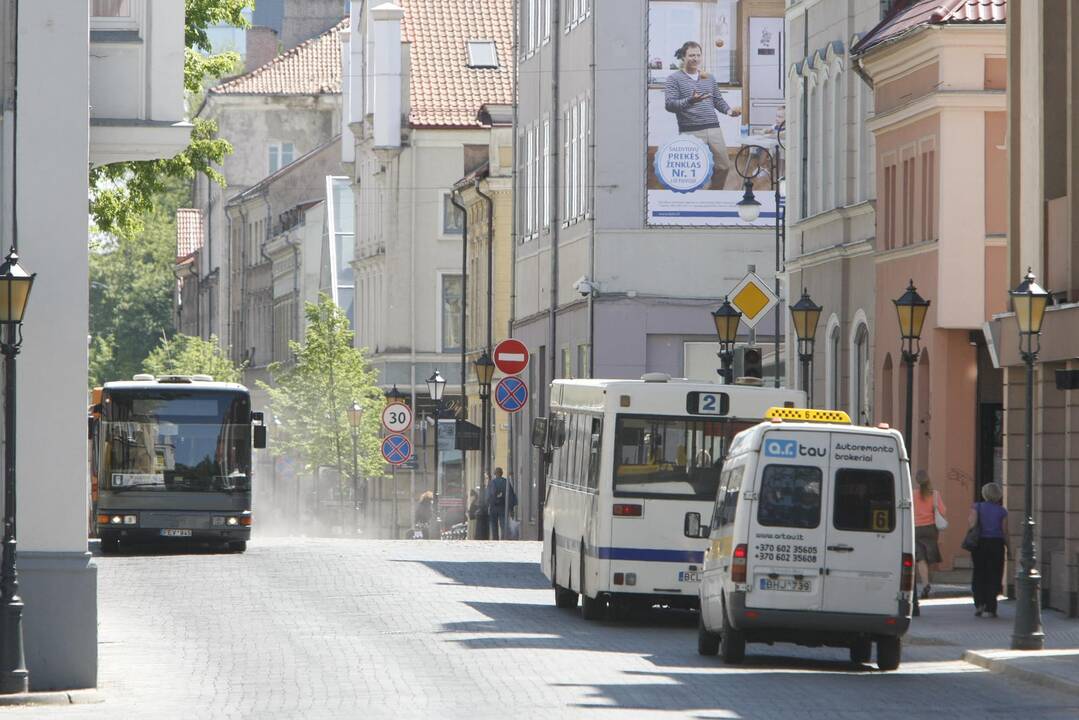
(188, 231)
(445, 92)
(914, 14)
(311, 68)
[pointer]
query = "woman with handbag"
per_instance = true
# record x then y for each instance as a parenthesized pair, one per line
(990, 520)
(929, 520)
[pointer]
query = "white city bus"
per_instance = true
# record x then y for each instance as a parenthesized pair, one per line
(627, 459)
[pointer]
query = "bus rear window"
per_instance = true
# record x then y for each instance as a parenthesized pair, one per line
(864, 500)
(790, 496)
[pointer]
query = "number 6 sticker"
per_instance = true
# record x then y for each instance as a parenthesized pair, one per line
(397, 417)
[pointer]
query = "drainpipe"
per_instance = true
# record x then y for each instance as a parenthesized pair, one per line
(487, 419)
(209, 261)
(262, 251)
(295, 245)
(454, 195)
(592, 205)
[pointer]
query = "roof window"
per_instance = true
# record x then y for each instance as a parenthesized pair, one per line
(482, 54)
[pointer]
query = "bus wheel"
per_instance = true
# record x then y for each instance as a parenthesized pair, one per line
(238, 547)
(888, 653)
(110, 545)
(707, 642)
(563, 597)
(732, 643)
(591, 608)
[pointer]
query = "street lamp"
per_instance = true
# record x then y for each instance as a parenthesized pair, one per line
(751, 161)
(436, 385)
(726, 318)
(485, 371)
(911, 309)
(355, 416)
(805, 313)
(15, 285)
(1029, 301)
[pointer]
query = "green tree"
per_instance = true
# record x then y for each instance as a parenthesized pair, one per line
(310, 396)
(131, 289)
(123, 193)
(189, 355)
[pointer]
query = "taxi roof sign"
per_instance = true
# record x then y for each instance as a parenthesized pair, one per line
(808, 415)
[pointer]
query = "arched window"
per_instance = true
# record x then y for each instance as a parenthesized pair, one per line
(887, 392)
(827, 145)
(832, 363)
(921, 428)
(861, 406)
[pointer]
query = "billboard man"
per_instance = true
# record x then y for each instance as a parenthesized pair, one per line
(694, 98)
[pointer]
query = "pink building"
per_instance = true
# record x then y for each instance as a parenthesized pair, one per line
(938, 72)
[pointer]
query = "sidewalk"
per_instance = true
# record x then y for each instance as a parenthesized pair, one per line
(986, 641)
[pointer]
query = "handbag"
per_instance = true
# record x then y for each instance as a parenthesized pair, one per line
(974, 534)
(938, 517)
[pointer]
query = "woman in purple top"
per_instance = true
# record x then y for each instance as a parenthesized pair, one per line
(988, 556)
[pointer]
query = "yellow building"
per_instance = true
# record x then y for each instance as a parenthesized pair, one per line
(486, 193)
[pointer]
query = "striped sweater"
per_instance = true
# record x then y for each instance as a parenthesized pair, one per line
(699, 115)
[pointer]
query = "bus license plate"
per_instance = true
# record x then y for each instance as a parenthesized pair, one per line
(176, 533)
(690, 576)
(786, 585)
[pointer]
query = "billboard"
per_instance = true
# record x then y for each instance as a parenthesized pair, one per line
(700, 114)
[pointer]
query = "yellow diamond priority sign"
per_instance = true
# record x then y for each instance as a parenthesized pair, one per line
(753, 298)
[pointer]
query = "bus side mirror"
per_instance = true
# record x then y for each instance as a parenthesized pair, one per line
(258, 430)
(692, 527)
(539, 433)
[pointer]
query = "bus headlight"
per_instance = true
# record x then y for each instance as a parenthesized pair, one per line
(232, 521)
(116, 520)
(131, 520)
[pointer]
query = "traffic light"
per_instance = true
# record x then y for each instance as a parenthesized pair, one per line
(748, 362)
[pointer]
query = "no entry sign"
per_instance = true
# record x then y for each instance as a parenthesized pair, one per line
(511, 356)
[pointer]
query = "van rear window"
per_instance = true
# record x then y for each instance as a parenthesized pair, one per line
(864, 500)
(790, 496)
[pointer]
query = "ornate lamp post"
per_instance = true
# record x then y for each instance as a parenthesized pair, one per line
(436, 385)
(751, 161)
(355, 416)
(1029, 301)
(726, 319)
(485, 371)
(15, 285)
(911, 309)
(805, 313)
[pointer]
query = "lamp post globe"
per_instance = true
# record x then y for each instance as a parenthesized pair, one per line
(749, 208)
(436, 385)
(805, 314)
(1029, 301)
(485, 371)
(726, 318)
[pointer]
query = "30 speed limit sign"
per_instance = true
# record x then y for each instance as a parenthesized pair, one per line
(396, 417)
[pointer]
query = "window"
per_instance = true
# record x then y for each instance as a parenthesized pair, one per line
(530, 182)
(576, 11)
(864, 500)
(533, 26)
(833, 348)
(790, 496)
(889, 206)
(545, 158)
(730, 485)
(860, 376)
(575, 148)
(482, 54)
(928, 176)
(584, 360)
(451, 313)
(908, 201)
(281, 154)
(565, 369)
(110, 8)
(453, 220)
(595, 452)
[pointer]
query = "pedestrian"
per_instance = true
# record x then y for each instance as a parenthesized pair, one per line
(988, 555)
(501, 501)
(694, 98)
(424, 509)
(473, 508)
(927, 503)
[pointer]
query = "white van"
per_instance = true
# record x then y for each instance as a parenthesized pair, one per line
(812, 539)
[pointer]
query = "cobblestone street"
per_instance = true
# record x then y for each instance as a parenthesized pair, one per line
(301, 628)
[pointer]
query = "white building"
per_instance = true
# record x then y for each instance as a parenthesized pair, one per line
(86, 99)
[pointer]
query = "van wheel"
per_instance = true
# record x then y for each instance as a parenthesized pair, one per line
(732, 642)
(707, 642)
(889, 650)
(861, 650)
(591, 608)
(563, 597)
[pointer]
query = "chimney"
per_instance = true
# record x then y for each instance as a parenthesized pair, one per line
(387, 31)
(261, 47)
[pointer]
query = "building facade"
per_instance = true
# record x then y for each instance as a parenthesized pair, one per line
(84, 78)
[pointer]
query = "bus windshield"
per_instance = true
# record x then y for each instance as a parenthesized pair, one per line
(176, 441)
(671, 457)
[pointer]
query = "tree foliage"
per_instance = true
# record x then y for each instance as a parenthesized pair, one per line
(121, 193)
(189, 355)
(310, 396)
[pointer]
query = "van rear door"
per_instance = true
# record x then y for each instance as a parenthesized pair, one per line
(864, 530)
(786, 529)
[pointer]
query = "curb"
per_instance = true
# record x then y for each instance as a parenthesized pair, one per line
(62, 697)
(992, 663)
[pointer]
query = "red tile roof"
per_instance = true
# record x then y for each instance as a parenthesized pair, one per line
(445, 92)
(914, 14)
(311, 68)
(188, 231)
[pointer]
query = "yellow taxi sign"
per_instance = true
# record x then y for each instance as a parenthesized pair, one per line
(808, 415)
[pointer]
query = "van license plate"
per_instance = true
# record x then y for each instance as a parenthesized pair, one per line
(786, 585)
(175, 533)
(690, 576)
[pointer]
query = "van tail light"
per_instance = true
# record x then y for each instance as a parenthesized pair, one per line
(738, 564)
(906, 577)
(245, 520)
(628, 510)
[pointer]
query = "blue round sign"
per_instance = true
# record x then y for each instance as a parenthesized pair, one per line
(396, 449)
(511, 394)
